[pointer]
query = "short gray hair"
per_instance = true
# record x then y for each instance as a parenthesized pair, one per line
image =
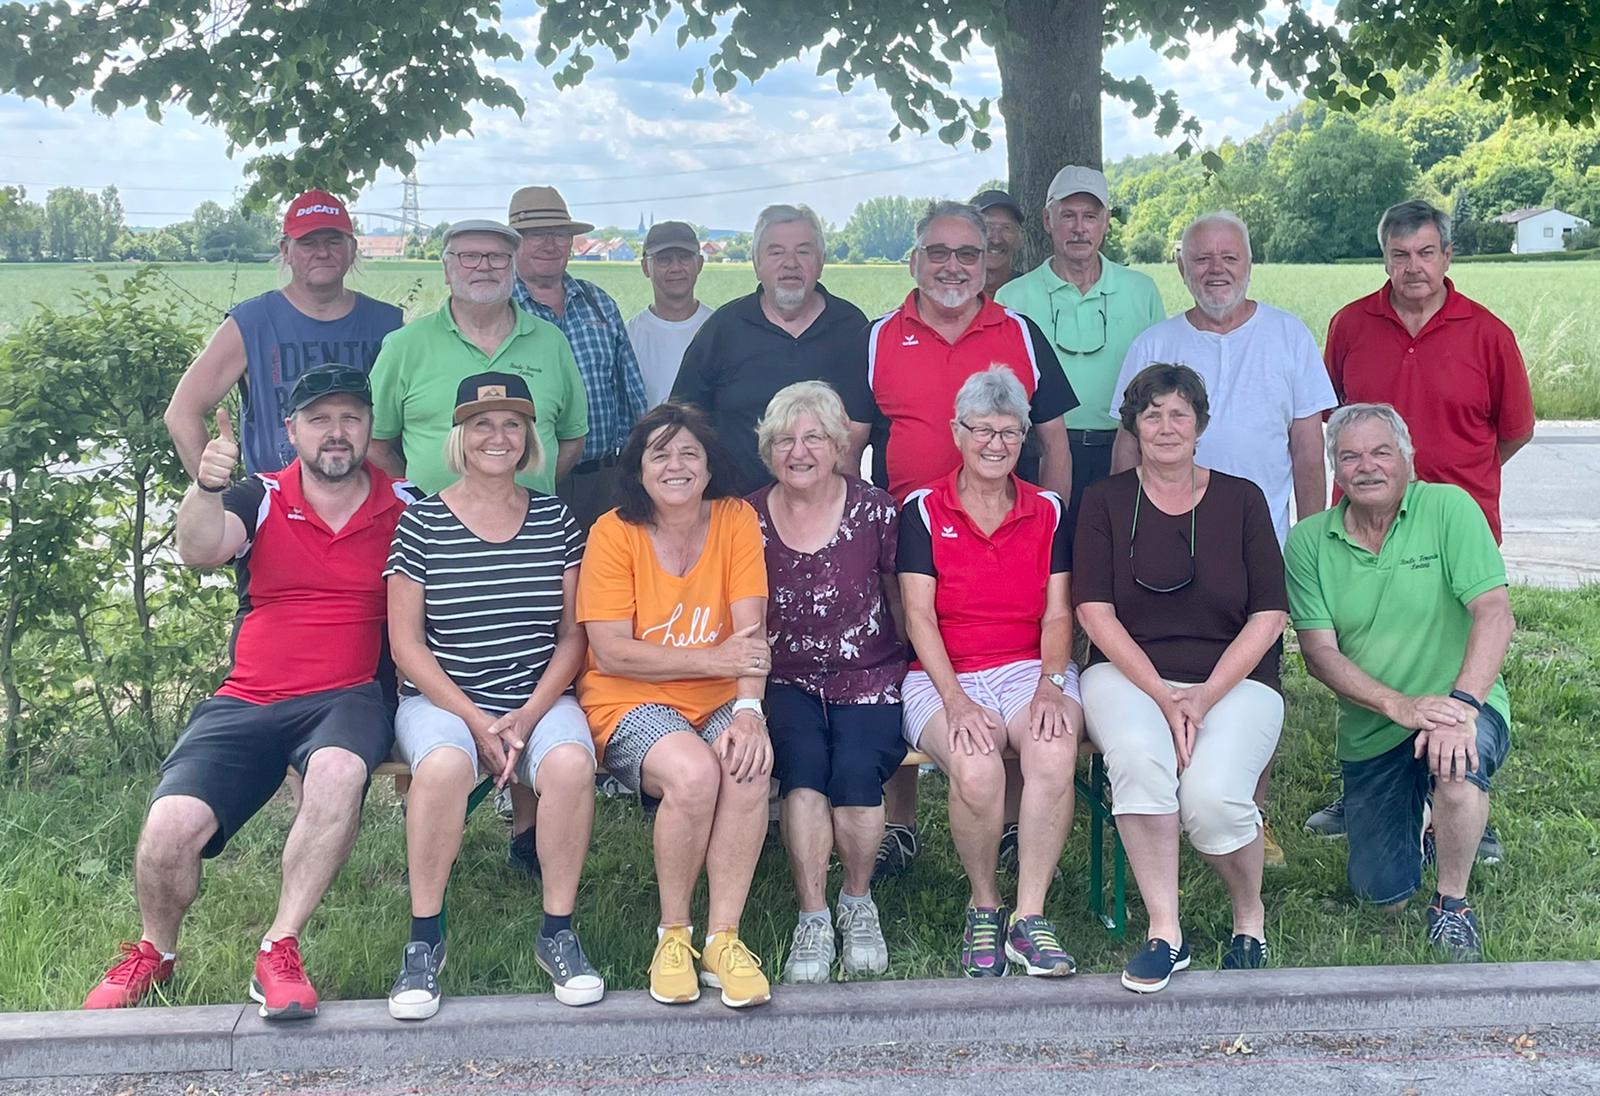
(995, 391)
(1407, 218)
(959, 211)
(816, 398)
(1217, 217)
(783, 215)
(1352, 413)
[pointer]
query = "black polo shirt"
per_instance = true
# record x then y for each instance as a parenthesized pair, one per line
(739, 360)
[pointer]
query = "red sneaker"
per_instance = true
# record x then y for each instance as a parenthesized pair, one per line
(135, 975)
(281, 985)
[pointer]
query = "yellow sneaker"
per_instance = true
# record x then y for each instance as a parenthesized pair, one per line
(732, 968)
(1271, 852)
(672, 980)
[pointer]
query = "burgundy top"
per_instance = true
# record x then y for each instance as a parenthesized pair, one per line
(827, 621)
(1238, 570)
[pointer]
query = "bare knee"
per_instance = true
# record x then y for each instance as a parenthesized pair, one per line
(334, 770)
(979, 782)
(445, 768)
(567, 767)
(687, 781)
(177, 828)
(1048, 768)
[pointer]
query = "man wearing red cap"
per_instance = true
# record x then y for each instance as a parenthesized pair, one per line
(265, 343)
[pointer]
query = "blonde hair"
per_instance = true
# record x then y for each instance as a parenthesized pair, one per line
(816, 398)
(455, 448)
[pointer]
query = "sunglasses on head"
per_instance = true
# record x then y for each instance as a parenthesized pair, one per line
(321, 382)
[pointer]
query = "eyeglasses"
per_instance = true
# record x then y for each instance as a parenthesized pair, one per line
(966, 256)
(785, 443)
(494, 260)
(1134, 533)
(983, 435)
(320, 382)
(547, 235)
(1081, 327)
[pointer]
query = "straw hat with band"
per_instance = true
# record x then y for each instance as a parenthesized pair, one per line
(492, 392)
(542, 209)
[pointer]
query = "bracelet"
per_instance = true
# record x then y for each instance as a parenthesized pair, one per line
(212, 490)
(1466, 698)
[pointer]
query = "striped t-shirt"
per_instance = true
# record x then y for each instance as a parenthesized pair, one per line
(490, 610)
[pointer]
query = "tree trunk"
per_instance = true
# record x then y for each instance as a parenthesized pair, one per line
(81, 628)
(8, 642)
(141, 604)
(1050, 64)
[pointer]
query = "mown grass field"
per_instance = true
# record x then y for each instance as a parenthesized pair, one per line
(66, 847)
(1550, 306)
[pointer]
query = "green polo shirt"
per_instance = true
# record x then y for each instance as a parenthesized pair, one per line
(414, 385)
(1400, 615)
(1090, 331)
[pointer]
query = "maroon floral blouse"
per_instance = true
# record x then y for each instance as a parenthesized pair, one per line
(827, 620)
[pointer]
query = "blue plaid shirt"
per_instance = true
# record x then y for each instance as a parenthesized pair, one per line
(593, 325)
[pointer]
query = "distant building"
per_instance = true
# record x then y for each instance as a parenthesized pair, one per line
(1541, 229)
(381, 247)
(612, 250)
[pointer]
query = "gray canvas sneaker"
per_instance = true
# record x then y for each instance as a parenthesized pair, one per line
(865, 950)
(811, 954)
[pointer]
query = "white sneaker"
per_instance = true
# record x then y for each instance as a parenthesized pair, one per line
(811, 954)
(865, 950)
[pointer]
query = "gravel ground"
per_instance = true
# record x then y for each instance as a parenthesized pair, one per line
(1455, 1062)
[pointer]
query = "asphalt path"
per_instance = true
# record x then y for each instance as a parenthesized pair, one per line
(1550, 507)
(1448, 1062)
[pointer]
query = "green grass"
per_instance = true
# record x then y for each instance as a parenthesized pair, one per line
(1547, 304)
(66, 895)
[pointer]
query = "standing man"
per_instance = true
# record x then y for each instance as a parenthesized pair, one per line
(308, 545)
(918, 357)
(476, 330)
(1002, 216)
(1091, 309)
(1399, 597)
(266, 342)
(592, 323)
(662, 332)
(1263, 374)
(1449, 366)
(790, 329)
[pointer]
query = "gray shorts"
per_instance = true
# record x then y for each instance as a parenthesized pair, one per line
(648, 724)
(420, 728)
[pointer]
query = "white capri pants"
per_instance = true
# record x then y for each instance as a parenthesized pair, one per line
(1215, 796)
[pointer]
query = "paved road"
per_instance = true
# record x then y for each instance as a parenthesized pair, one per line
(1413, 1063)
(1550, 504)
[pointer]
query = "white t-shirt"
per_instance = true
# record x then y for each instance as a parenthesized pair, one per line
(659, 345)
(1259, 378)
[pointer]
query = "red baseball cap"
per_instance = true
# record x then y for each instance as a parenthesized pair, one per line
(313, 210)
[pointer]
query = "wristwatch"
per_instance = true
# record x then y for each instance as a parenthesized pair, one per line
(749, 704)
(1058, 680)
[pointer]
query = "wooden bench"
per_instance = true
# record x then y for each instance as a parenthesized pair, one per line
(1094, 792)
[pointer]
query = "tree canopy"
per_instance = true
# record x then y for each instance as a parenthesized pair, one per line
(356, 86)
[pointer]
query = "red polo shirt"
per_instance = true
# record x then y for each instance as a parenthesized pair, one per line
(914, 374)
(312, 602)
(991, 590)
(1459, 383)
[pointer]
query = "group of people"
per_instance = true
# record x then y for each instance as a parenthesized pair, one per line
(520, 538)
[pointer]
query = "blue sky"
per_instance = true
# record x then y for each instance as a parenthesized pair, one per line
(632, 140)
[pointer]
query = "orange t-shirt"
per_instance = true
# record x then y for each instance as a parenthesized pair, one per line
(621, 580)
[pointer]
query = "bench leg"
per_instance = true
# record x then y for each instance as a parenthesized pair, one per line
(1096, 793)
(478, 795)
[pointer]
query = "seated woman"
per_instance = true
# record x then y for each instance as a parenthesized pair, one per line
(1180, 588)
(482, 582)
(984, 565)
(674, 599)
(833, 696)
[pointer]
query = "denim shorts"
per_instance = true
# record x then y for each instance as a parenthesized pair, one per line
(1383, 804)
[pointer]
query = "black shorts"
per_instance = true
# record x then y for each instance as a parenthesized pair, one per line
(844, 751)
(233, 754)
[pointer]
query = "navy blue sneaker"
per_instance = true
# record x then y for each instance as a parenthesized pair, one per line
(1153, 966)
(1245, 953)
(983, 943)
(1453, 930)
(522, 855)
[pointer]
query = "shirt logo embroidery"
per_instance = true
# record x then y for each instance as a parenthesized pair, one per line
(909, 340)
(947, 531)
(295, 514)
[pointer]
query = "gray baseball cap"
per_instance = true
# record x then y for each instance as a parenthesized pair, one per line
(1072, 180)
(670, 234)
(493, 228)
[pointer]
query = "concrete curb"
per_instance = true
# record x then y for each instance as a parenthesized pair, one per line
(360, 1033)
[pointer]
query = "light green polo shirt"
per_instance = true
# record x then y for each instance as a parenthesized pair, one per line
(1400, 615)
(1091, 332)
(414, 385)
